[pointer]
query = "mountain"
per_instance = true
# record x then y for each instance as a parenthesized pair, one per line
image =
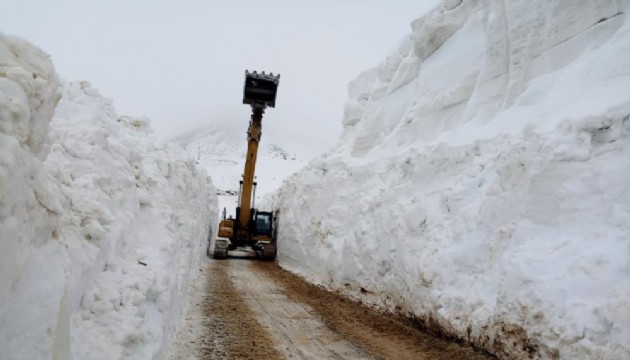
(221, 150)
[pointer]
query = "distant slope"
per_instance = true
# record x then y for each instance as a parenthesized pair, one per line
(221, 150)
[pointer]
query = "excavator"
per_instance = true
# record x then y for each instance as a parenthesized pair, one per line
(251, 228)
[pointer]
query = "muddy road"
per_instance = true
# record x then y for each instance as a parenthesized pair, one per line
(246, 309)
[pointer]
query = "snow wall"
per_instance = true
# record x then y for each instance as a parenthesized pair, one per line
(482, 180)
(101, 225)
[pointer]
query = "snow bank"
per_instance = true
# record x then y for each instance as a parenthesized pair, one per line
(482, 181)
(101, 225)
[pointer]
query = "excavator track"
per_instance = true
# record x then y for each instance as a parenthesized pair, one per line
(268, 252)
(220, 249)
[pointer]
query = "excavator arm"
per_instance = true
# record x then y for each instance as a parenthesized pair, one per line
(259, 92)
(251, 228)
(253, 139)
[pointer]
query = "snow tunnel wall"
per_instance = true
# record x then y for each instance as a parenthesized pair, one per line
(101, 225)
(482, 180)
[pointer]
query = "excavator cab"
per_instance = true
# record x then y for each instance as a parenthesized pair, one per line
(263, 224)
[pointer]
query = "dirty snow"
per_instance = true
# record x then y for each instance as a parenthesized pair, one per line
(482, 180)
(101, 225)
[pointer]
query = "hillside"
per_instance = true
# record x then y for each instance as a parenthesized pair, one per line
(221, 151)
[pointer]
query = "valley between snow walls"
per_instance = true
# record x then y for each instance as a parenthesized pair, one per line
(482, 181)
(101, 225)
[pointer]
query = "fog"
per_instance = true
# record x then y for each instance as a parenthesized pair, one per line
(182, 63)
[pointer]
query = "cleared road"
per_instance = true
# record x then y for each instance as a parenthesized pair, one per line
(247, 309)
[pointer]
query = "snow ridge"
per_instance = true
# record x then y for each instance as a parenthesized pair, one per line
(101, 225)
(480, 184)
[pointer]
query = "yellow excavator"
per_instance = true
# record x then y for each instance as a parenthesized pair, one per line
(251, 228)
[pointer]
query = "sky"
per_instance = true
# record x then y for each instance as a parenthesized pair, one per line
(182, 63)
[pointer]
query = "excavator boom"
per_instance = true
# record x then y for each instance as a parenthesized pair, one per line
(253, 138)
(259, 91)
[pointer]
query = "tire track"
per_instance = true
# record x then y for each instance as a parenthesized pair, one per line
(248, 309)
(231, 329)
(296, 329)
(382, 336)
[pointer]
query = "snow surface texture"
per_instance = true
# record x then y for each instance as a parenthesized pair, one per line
(101, 226)
(482, 180)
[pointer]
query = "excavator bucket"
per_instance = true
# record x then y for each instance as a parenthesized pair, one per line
(260, 88)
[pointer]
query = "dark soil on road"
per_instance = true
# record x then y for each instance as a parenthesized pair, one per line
(255, 310)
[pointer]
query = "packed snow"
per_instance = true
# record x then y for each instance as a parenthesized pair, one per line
(482, 180)
(102, 226)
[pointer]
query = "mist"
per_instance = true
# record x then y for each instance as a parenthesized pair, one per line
(182, 63)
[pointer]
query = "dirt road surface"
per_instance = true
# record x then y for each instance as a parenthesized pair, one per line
(246, 309)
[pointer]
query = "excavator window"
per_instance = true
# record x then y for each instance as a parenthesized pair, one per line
(263, 223)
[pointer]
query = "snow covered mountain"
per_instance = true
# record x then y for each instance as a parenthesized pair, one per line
(101, 225)
(482, 181)
(221, 150)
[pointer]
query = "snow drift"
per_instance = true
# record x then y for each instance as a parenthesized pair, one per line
(101, 225)
(482, 180)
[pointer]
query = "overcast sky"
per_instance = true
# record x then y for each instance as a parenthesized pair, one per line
(181, 63)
